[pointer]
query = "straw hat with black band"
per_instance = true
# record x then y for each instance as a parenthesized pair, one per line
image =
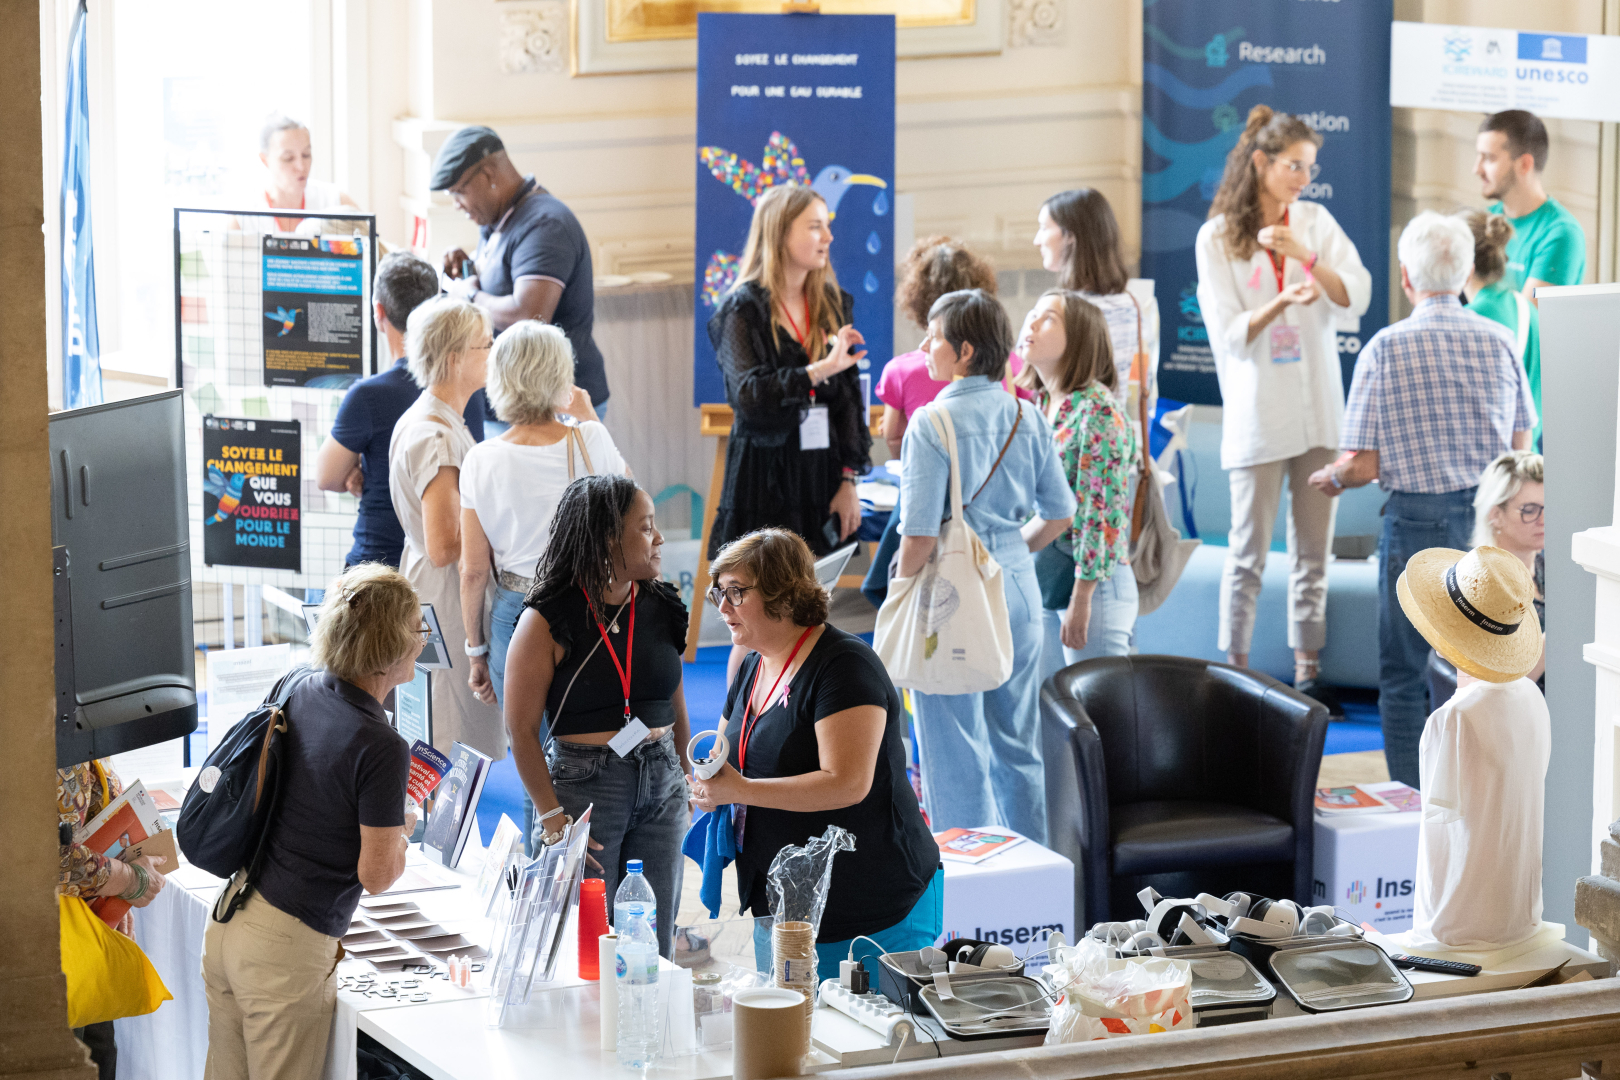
(1475, 608)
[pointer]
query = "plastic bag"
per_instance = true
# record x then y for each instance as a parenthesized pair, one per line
(1101, 996)
(797, 882)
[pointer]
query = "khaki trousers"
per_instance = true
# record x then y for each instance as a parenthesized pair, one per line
(271, 995)
(1256, 491)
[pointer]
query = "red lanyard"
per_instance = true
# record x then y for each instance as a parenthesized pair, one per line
(800, 335)
(748, 729)
(629, 647)
(1279, 262)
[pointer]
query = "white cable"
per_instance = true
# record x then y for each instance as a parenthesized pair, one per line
(904, 1035)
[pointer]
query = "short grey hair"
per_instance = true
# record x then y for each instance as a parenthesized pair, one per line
(277, 122)
(1500, 481)
(1437, 251)
(436, 332)
(531, 372)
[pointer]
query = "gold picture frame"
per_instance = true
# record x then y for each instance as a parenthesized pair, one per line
(661, 20)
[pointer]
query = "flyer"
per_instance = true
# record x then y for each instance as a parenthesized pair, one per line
(251, 493)
(314, 311)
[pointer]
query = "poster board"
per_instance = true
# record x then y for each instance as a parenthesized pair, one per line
(252, 492)
(314, 311)
(802, 99)
(1204, 66)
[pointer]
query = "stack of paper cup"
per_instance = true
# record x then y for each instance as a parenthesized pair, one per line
(793, 964)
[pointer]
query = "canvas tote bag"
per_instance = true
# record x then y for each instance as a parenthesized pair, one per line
(945, 629)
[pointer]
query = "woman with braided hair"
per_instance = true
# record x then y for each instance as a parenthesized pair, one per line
(596, 658)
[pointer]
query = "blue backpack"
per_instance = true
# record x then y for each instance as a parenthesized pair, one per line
(225, 822)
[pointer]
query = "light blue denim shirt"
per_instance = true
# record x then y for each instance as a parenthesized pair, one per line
(1029, 483)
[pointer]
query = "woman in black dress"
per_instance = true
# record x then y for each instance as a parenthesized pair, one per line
(783, 340)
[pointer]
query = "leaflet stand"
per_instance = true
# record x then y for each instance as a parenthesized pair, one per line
(530, 922)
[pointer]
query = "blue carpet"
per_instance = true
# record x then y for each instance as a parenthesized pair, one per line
(1360, 729)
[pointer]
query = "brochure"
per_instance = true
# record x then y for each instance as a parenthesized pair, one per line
(974, 845)
(1354, 799)
(1400, 796)
(428, 767)
(123, 830)
(454, 812)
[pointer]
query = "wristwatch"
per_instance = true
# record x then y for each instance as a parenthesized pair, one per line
(475, 650)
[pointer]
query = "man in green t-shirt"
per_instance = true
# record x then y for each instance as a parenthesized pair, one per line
(1548, 245)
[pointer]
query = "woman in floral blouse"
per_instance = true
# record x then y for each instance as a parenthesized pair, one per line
(82, 792)
(1069, 363)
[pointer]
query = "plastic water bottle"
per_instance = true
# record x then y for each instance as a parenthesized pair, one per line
(636, 963)
(635, 897)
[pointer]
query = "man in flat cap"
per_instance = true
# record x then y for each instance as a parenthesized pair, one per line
(532, 261)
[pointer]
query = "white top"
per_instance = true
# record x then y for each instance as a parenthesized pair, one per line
(1120, 311)
(1483, 763)
(1274, 411)
(515, 489)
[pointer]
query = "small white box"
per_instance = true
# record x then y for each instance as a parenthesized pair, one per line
(1366, 867)
(1017, 897)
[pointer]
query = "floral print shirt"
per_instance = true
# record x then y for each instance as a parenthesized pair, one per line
(78, 800)
(1099, 453)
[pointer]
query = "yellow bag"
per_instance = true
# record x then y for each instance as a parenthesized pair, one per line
(108, 976)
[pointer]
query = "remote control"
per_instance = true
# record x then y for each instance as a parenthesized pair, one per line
(1429, 963)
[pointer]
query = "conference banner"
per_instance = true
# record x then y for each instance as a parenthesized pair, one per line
(1483, 69)
(314, 311)
(796, 99)
(251, 493)
(1204, 65)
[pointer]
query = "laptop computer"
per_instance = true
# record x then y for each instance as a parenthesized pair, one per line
(830, 568)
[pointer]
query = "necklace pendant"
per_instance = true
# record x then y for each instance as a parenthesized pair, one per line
(613, 627)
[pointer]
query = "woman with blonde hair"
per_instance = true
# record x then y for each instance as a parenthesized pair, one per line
(1088, 588)
(447, 343)
(1488, 296)
(510, 485)
(1275, 275)
(1509, 513)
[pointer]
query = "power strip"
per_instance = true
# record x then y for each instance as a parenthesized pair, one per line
(870, 1010)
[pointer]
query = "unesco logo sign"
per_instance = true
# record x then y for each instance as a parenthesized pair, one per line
(1566, 50)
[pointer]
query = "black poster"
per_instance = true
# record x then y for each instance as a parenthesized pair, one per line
(251, 493)
(314, 311)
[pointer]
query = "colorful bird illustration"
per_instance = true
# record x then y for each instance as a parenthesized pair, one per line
(781, 164)
(287, 319)
(229, 492)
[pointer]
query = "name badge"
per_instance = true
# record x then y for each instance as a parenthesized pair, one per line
(1285, 347)
(815, 432)
(629, 737)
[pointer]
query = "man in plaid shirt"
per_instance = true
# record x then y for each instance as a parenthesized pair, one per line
(1435, 398)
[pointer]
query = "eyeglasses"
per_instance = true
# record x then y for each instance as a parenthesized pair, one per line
(481, 348)
(732, 594)
(1529, 512)
(1297, 167)
(426, 632)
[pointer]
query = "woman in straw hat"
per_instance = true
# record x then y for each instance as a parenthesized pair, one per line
(1483, 756)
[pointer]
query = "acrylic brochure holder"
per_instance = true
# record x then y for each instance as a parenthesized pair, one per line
(531, 917)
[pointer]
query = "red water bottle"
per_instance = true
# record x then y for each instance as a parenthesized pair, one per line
(593, 923)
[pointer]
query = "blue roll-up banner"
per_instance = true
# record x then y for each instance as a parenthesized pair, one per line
(796, 99)
(81, 340)
(1204, 65)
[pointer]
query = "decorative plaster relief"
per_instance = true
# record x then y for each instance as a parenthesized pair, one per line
(534, 39)
(1035, 22)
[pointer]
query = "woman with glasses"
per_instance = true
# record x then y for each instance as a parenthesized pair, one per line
(597, 657)
(814, 726)
(1276, 275)
(447, 345)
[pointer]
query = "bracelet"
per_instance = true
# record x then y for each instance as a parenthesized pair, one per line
(1310, 264)
(550, 838)
(140, 889)
(1333, 475)
(553, 812)
(475, 650)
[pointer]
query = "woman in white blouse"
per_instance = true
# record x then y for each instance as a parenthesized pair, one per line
(1274, 277)
(446, 345)
(510, 485)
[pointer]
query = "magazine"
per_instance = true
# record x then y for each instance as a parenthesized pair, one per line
(454, 812)
(974, 845)
(428, 767)
(122, 831)
(1400, 796)
(1354, 799)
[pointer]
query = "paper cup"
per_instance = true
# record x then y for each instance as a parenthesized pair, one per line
(770, 1039)
(793, 965)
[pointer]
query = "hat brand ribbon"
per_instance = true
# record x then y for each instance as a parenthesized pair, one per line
(1471, 613)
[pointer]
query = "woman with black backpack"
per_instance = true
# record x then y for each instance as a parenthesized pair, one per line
(341, 827)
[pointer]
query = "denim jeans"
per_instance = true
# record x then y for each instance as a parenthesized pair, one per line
(503, 620)
(921, 927)
(1412, 522)
(639, 812)
(1110, 632)
(981, 753)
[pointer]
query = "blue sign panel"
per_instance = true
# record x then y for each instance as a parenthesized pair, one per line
(1204, 66)
(796, 99)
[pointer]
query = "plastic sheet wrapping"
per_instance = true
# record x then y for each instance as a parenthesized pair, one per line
(1101, 996)
(798, 879)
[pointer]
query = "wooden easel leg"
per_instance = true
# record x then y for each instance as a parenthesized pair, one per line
(717, 483)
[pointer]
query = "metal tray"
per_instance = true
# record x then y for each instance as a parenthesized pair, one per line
(1344, 974)
(969, 1014)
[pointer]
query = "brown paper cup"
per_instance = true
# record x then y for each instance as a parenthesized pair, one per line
(793, 964)
(769, 1037)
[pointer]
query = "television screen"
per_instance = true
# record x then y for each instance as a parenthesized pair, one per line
(126, 674)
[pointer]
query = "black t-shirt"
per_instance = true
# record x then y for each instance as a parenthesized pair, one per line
(596, 701)
(539, 237)
(876, 885)
(344, 768)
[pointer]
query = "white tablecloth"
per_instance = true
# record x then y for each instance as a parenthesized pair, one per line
(171, 1043)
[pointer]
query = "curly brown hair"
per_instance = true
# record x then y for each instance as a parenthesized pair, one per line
(784, 572)
(936, 266)
(1238, 197)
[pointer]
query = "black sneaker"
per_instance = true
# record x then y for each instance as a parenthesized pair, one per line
(1321, 691)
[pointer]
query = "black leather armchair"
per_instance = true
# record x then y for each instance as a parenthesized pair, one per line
(1183, 774)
